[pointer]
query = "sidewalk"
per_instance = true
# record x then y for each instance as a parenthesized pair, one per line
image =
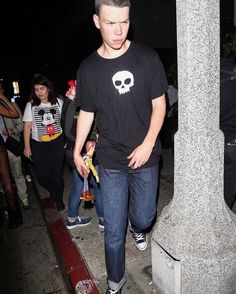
(81, 249)
(28, 263)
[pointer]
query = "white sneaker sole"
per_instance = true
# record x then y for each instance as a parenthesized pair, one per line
(140, 248)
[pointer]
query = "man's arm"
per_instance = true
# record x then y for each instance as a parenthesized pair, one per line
(84, 123)
(141, 154)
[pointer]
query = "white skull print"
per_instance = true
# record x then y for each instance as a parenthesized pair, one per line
(123, 81)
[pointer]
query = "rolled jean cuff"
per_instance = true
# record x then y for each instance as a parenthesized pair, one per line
(117, 286)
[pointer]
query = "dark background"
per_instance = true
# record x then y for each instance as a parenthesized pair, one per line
(52, 37)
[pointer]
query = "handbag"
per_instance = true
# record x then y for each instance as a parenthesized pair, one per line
(12, 144)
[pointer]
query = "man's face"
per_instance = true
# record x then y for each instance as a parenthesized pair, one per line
(113, 23)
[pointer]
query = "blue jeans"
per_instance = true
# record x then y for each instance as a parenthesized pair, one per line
(126, 194)
(76, 191)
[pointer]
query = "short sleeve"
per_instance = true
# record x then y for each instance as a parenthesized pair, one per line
(85, 90)
(28, 112)
(158, 79)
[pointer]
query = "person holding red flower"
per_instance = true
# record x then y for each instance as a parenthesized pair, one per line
(69, 121)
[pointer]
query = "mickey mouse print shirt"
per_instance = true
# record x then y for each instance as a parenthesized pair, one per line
(46, 120)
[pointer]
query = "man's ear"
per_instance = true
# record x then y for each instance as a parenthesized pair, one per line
(96, 21)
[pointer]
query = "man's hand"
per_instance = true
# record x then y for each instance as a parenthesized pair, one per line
(140, 155)
(81, 166)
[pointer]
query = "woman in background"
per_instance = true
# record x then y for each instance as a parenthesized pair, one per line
(43, 137)
(14, 127)
(10, 193)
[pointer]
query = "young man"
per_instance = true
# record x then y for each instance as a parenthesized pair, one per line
(124, 83)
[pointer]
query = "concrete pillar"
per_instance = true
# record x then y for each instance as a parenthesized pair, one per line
(194, 240)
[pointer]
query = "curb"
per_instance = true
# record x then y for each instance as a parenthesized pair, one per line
(76, 268)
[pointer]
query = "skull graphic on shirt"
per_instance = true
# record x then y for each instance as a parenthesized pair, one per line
(123, 81)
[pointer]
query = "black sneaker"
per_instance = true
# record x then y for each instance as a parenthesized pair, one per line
(101, 222)
(14, 216)
(79, 222)
(110, 291)
(140, 239)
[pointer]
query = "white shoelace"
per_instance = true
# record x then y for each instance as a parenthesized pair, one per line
(139, 237)
(113, 291)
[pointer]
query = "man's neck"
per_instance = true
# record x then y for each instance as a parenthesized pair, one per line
(109, 53)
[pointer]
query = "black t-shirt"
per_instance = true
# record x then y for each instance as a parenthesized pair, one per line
(120, 91)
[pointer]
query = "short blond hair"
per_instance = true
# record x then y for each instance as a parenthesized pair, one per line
(115, 3)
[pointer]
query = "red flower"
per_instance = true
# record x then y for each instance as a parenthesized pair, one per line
(71, 83)
(71, 91)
